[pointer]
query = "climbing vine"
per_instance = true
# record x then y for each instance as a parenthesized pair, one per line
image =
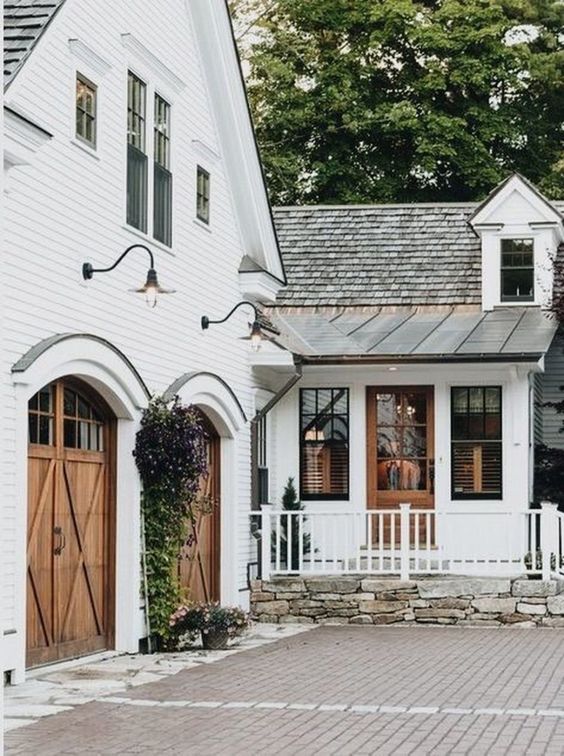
(170, 453)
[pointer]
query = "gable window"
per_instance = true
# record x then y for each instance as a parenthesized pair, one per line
(517, 270)
(86, 110)
(203, 195)
(136, 153)
(162, 177)
(476, 456)
(324, 443)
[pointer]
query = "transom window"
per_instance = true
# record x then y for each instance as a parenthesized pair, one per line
(86, 96)
(324, 423)
(83, 428)
(41, 416)
(476, 429)
(203, 195)
(517, 270)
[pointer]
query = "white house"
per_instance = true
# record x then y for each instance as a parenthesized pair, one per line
(418, 335)
(125, 125)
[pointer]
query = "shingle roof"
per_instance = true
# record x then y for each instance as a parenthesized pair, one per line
(424, 254)
(24, 23)
(379, 255)
(424, 333)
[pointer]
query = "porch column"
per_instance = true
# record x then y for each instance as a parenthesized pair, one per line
(265, 541)
(549, 531)
(404, 542)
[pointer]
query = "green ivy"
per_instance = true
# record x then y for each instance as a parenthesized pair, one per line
(170, 453)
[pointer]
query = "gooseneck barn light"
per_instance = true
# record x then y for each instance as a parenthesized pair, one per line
(256, 332)
(151, 288)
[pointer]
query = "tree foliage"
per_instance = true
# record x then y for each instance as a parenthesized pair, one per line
(404, 100)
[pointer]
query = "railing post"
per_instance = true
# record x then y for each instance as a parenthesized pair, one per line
(548, 534)
(404, 541)
(265, 541)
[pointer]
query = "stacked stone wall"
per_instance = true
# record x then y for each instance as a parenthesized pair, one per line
(383, 601)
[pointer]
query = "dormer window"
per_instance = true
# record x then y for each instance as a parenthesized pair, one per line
(517, 270)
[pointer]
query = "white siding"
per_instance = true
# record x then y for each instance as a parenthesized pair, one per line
(552, 382)
(69, 206)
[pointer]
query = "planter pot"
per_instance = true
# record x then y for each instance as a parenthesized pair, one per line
(215, 639)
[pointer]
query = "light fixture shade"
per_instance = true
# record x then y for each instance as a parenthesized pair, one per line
(152, 287)
(256, 336)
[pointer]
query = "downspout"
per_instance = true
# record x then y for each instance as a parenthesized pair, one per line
(254, 431)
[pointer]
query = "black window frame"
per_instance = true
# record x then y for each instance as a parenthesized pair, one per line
(462, 496)
(522, 267)
(302, 431)
(85, 115)
(162, 175)
(137, 159)
(203, 200)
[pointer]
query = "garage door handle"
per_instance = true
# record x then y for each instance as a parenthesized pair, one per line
(58, 531)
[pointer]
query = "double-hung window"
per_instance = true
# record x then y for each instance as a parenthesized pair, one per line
(476, 435)
(324, 442)
(262, 461)
(162, 177)
(517, 270)
(202, 194)
(86, 105)
(136, 153)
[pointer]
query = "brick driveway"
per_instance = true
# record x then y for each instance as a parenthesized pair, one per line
(337, 690)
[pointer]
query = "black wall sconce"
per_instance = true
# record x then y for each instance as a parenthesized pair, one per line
(256, 334)
(151, 288)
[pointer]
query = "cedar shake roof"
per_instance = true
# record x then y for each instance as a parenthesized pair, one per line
(24, 23)
(380, 255)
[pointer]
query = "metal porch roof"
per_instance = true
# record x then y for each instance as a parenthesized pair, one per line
(438, 333)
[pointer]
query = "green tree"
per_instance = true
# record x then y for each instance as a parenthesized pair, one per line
(404, 100)
(291, 534)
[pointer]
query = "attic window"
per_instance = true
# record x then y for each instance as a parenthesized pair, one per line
(85, 110)
(517, 270)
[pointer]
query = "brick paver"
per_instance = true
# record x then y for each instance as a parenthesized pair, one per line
(337, 690)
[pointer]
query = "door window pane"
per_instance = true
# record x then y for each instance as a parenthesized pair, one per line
(41, 417)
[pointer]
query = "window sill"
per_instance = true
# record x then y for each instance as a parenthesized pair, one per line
(204, 226)
(85, 148)
(149, 239)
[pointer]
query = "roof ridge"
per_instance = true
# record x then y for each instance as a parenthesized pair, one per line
(368, 205)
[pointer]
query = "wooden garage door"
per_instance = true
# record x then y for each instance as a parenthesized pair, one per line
(70, 524)
(199, 560)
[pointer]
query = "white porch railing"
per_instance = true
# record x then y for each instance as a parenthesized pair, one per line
(409, 542)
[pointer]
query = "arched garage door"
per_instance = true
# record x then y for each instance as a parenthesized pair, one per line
(70, 552)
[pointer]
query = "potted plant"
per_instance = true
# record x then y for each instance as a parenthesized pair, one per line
(217, 624)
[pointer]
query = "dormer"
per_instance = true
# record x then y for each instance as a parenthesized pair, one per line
(520, 232)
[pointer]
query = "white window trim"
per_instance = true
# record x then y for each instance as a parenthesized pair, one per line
(153, 86)
(91, 65)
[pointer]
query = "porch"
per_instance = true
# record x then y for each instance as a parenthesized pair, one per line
(410, 542)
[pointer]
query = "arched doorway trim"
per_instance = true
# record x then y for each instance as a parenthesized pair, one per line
(212, 394)
(103, 367)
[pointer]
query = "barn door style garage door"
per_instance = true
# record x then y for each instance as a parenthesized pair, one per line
(199, 560)
(70, 523)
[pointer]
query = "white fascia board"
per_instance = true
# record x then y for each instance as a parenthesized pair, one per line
(221, 68)
(485, 219)
(259, 286)
(271, 355)
(22, 139)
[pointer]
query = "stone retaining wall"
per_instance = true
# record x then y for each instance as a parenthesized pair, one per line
(381, 601)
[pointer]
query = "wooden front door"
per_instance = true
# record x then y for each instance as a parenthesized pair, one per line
(199, 560)
(70, 523)
(400, 444)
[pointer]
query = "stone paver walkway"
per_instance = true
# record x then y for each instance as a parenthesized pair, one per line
(336, 690)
